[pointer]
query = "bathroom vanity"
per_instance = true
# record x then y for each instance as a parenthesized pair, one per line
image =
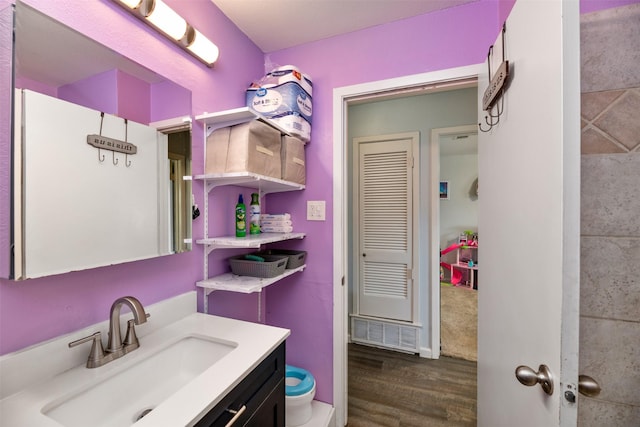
(191, 369)
(257, 401)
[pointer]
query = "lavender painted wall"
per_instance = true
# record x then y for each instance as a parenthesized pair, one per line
(169, 100)
(98, 92)
(134, 98)
(39, 309)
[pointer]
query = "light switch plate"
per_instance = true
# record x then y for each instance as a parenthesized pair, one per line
(316, 210)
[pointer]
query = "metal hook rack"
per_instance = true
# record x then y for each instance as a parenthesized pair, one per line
(496, 88)
(114, 145)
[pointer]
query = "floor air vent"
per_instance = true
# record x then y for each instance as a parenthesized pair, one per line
(385, 334)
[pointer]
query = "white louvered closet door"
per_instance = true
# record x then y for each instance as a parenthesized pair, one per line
(385, 226)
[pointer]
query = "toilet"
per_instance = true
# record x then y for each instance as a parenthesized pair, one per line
(300, 388)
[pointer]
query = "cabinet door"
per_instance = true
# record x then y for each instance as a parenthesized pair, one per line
(271, 412)
(259, 394)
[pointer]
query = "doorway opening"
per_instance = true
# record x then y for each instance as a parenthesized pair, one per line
(407, 87)
(455, 168)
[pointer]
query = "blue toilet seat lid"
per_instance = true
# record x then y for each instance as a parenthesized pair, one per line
(306, 381)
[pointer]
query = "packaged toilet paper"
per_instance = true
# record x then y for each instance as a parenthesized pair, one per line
(284, 96)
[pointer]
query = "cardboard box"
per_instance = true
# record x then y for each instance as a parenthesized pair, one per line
(254, 147)
(293, 160)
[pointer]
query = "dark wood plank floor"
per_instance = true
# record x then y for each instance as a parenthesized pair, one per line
(391, 389)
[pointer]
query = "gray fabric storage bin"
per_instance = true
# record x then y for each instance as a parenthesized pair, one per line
(272, 266)
(254, 147)
(293, 160)
(217, 148)
(296, 258)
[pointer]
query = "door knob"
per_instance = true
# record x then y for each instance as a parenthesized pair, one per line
(529, 377)
(587, 386)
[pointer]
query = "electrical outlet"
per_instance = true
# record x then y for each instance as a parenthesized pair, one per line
(316, 210)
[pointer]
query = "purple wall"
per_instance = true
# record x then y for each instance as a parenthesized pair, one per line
(98, 92)
(168, 100)
(134, 98)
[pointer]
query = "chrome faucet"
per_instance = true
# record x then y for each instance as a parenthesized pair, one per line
(116, 347)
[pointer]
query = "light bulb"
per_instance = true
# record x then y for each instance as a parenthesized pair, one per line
(164, 18)
(203, 48)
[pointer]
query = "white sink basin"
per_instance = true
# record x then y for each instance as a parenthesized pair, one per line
(187, 362)
(125, 397)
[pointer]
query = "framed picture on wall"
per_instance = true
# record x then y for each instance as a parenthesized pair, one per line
(444, 190)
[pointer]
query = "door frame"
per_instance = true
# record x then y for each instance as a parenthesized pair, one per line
(436, 80)
(434, 227)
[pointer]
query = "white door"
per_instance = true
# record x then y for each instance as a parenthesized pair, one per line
(528, 221)
(384, 225)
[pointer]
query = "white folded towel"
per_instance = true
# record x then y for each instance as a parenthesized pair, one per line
(270, 229)
(275, 217)
(271, 223)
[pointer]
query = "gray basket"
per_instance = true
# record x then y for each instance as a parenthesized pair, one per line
(271, 267)
(296, 258)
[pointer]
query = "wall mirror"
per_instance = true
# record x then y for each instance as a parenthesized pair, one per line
(75, 205)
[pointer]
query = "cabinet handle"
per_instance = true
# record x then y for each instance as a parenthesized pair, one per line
(236, 415)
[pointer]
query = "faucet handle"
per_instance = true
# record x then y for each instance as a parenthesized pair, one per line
(131, 342)
(97, 351)
(131, 338)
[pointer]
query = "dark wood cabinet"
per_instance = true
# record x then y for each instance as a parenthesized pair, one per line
(258, 401)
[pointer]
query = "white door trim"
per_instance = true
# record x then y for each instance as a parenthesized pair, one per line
(341, 96)
(434, 229)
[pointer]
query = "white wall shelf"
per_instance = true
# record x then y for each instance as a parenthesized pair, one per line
(243, 284)
(233, 117)
(264, 185)
(251, 241)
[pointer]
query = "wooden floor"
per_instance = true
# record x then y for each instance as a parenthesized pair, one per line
(391, 389)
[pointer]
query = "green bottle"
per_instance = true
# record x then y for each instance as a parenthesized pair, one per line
(241, 218)
(254, 214)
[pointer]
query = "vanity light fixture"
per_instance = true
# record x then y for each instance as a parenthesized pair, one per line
(164, 19)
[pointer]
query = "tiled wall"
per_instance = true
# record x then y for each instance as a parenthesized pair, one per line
(610, 223)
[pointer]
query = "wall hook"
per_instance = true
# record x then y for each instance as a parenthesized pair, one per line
(496, 89)
(495, 118)
(127, 162)
(101, 158)
(115, 161)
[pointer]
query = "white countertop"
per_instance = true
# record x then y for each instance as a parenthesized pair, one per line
(186, 406)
